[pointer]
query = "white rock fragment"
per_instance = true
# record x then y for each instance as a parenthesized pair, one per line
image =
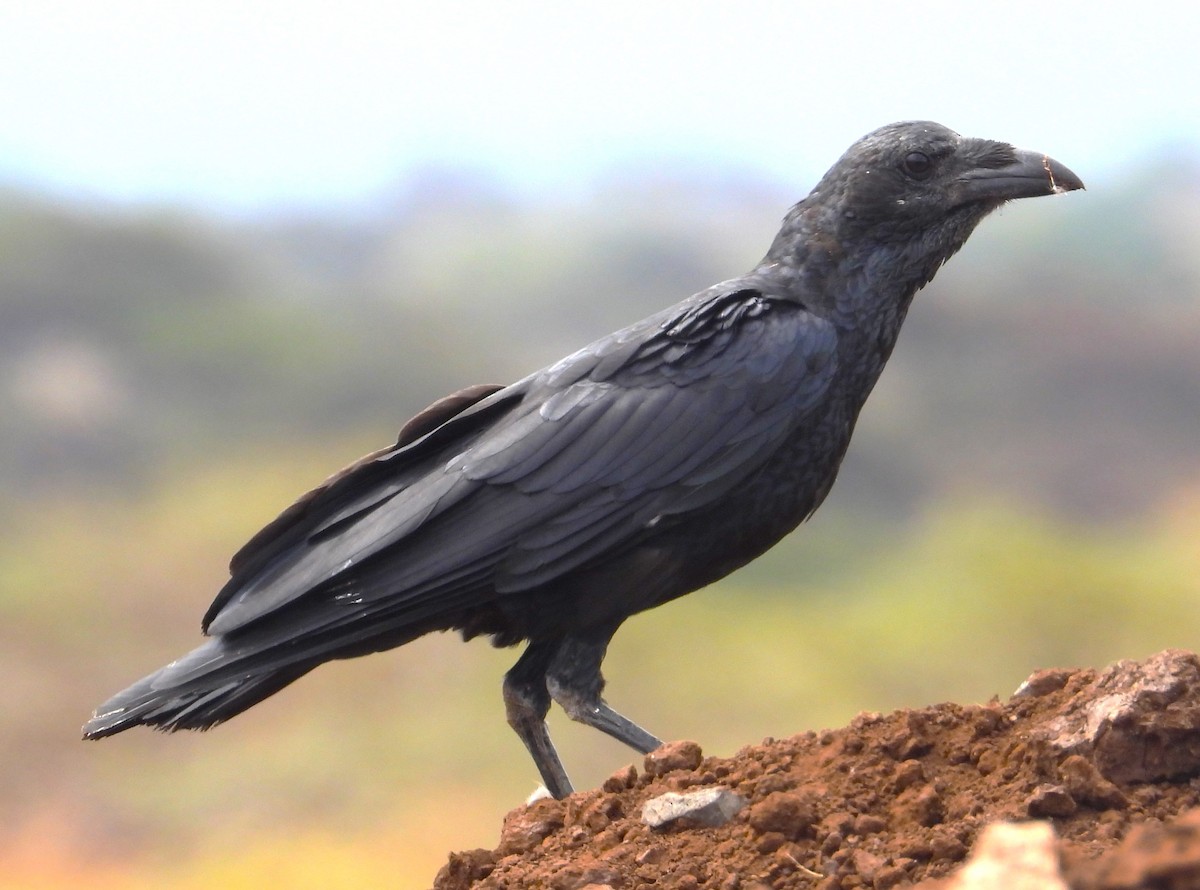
(1012, 857)
(708, 807)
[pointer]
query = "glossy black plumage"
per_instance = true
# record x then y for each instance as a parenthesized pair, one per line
(644, 466)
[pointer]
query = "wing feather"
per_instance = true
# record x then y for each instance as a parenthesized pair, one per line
(532, 482)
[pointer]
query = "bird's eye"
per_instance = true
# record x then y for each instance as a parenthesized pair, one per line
(917, 165)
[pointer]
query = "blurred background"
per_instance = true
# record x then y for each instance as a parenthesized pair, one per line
(241, 243)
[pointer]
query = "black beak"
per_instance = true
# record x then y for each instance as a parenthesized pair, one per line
(1029, 175)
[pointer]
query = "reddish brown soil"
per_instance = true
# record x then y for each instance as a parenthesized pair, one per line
(1106, 759)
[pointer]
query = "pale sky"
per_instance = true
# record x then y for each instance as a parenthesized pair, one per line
(253, 105)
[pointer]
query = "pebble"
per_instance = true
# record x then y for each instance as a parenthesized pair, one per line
(708, 807)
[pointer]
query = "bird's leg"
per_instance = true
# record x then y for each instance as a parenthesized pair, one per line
(573, 680)
(526, 701)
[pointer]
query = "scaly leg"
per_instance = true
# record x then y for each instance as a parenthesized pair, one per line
(573, 680)
(526, 701)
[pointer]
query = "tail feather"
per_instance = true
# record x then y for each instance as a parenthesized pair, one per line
(232, 672)
(162, 702)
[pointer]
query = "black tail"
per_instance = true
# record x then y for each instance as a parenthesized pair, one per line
(232, 672)
(196, 692)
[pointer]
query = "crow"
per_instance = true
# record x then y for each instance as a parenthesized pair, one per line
(642, 467)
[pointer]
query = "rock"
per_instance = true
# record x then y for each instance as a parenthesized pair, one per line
(1043, 683)
(1084, 783)
(898, 800)
(621, 779)
(1154, 855)
(1050, 800)
(789, 813)
(465, 869)
(1012, 857)
(921, 805)
(526, 827)
(673, 756)
(708, 807)
(1137, 721)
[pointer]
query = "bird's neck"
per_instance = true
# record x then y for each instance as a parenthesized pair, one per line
(863, 285)
(865, 293)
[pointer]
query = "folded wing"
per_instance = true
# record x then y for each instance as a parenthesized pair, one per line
(529, 483)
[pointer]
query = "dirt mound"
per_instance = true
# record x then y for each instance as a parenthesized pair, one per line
(1099, 764)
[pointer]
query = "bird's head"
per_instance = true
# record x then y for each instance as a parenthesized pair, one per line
(907, 196)
(921, 177)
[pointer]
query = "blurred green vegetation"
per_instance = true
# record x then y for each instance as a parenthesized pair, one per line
(1023, 492)
(367, 772)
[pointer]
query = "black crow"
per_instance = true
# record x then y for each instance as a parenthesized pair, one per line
(642, 467)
